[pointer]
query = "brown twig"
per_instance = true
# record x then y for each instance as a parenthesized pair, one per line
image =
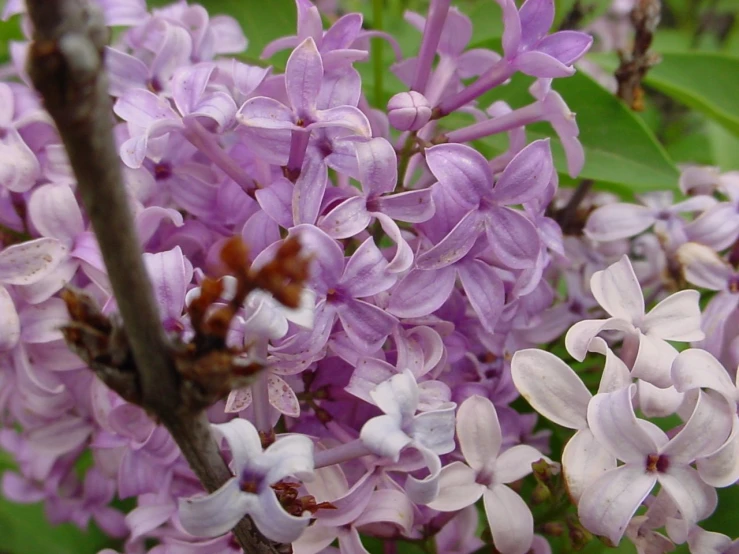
(573, 19)
(66, 66)
(634, 65)
(567, 216)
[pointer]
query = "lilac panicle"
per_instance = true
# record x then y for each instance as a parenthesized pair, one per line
(434, 273)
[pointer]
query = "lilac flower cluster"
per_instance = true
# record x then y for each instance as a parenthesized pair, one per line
(431, 268)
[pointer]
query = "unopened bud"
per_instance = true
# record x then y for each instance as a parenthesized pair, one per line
(408, 111)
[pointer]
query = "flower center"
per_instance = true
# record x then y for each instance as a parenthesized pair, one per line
(162, 171)
(657, 462)
(734, 283)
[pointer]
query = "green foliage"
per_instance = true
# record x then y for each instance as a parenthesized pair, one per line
(704, 81)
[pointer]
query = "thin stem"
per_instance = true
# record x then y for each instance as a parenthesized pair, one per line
(204, 141)
(404, 159)
(437, 15)
(377, 47)
(566, 215)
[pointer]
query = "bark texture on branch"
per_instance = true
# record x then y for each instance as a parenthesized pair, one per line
(66, 66)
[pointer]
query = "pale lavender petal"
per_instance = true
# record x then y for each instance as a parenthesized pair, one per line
(618, 291)
(289, 455)
(274, 522)
(618, 221)
(613, 423)
(170, 273)
(143, 108)
(434, 429)
(695, 368)
(607, 505)
(347, 219)
(42, 323)
(541, 65)
(721, 469)
(707, 429)
(413, 206)
(703, 267)
(422, 292)
(478, 432)
(653, 361)
(309, 190)
(243, 441)
(345, 117)
(398, 395)
(693, 497)
(513, 238)
(551, 387)
(677, 317)
(29, 262)
(276, 200)
(580, 335)
(403, 258)
(583, 461)
(366, 271)
(266, 113)
(455, 245)
(10, 329)
(19, 167)
(485, 291)
(367, 325)
(303, 75)
(315, 538)
(144, 519)
(328, 256)
(368, 373)
(526, 175)
(383, 436)
(510, 520)
(515, 463)
(462, 170)
(566, 46)
(388, 506)
(282, 397)
(457, 488)
(423, 491)
(378, 166)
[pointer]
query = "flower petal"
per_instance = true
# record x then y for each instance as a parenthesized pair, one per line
(274, 522)
(693, 497)
(29, 262)
(607, 505)
(478, 432)
(54, 211)
(613, 423)
(583, 461)
(422, 292)
(677, 317)
(510, 520)
(551, 387)
(618, 291)
(366, 271)
(216, 513)
(457, 488)
(454, 245)
(484, 290)
(707, 429)
(367, 325)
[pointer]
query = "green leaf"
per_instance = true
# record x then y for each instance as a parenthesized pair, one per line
(705, 81)
(619, 147)
(725, 147)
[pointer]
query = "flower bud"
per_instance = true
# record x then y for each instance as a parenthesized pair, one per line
(408, 111)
